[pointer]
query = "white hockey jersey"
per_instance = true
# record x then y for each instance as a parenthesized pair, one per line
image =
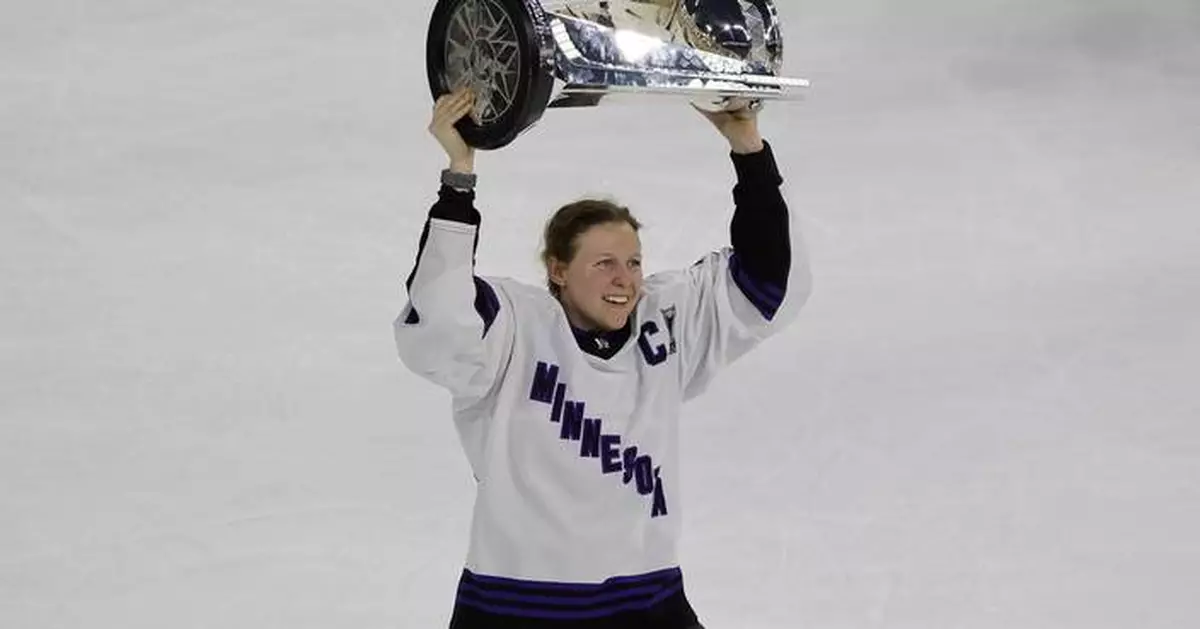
(576, 457)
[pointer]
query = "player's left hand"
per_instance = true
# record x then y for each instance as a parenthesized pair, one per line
(738, 122)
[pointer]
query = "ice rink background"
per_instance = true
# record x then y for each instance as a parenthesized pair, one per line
(986, 418)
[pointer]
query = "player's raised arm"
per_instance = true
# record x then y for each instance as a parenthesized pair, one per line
(747, 291)
(454, 330)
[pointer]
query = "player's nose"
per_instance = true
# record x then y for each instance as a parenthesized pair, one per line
(623, 277)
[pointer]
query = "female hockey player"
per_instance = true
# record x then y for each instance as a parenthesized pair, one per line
(567, 396)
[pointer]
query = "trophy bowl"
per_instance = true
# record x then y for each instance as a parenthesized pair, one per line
(523, 57)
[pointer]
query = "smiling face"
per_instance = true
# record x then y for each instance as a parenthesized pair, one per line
(600, 286)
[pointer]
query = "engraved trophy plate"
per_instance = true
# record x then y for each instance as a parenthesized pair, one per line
(522, 57)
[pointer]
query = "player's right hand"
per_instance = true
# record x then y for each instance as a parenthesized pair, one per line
(448, 110)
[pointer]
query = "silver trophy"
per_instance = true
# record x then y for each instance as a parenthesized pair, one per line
(522, 57)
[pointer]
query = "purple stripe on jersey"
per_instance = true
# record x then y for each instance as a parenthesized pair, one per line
(467, 590)
(486, 303)
(765, 297)
(567, 607)
(588, 614)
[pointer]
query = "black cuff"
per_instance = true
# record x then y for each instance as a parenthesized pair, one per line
(757, 168)
(455, 205)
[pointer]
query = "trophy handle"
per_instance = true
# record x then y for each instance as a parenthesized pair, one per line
(498, 49)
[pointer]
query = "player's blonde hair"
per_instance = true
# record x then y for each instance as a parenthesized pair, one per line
(560, 238)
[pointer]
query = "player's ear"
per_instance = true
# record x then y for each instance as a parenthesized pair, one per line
(556, 270)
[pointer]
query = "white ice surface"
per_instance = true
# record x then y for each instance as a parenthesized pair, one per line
(986, 418)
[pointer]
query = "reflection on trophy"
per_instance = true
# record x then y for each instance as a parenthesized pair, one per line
(522, 57)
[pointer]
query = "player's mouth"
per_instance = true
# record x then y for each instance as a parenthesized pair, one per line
(617, 300)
